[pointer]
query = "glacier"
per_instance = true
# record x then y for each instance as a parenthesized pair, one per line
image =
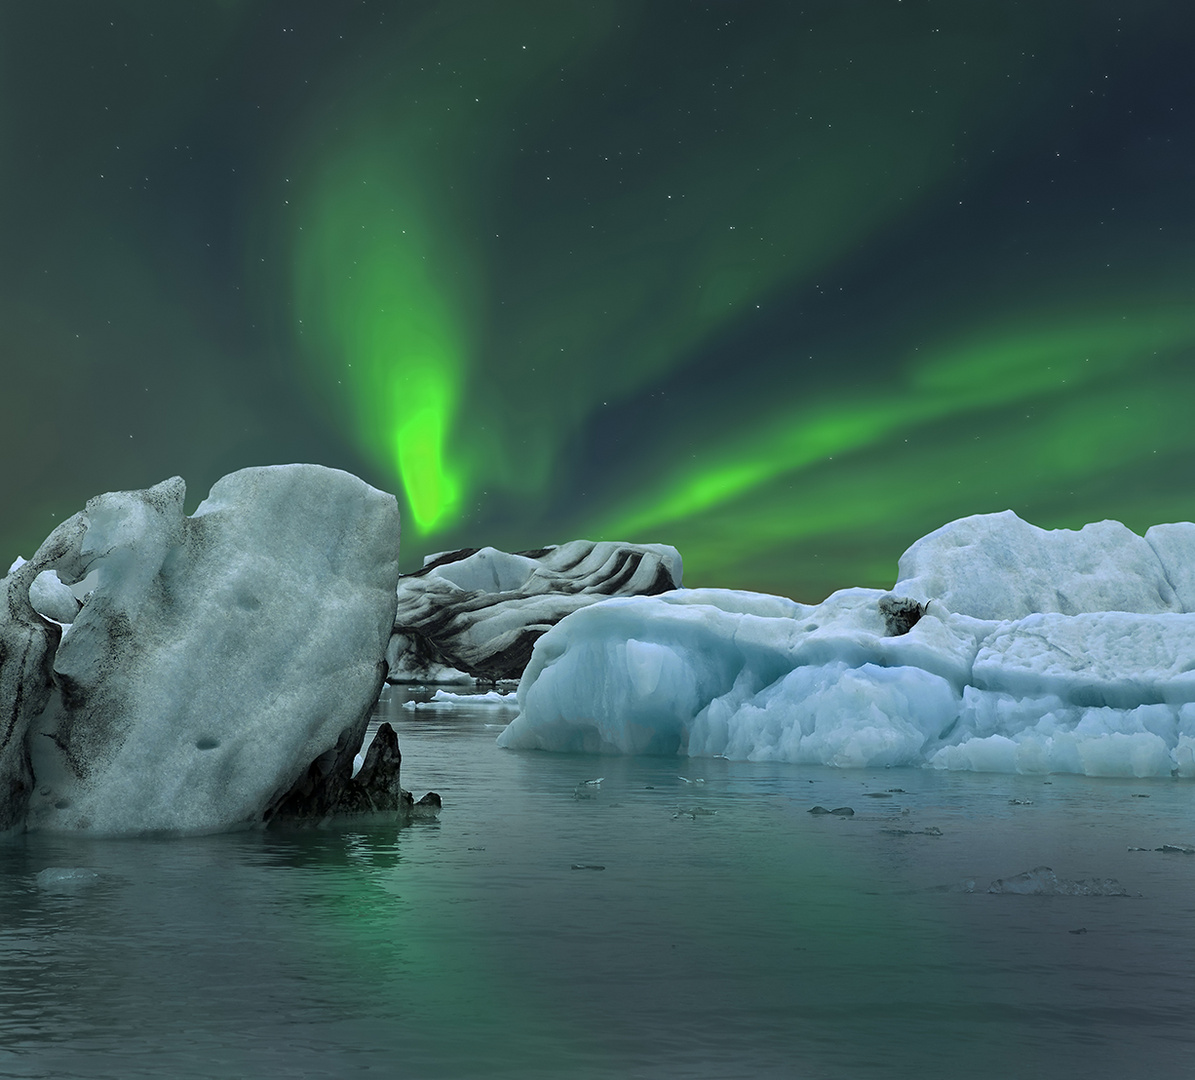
(1035, 651)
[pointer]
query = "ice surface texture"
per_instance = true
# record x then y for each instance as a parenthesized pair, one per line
(1038, 651)
(476, 613)
(217, 659)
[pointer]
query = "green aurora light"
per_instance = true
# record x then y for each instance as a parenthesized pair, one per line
(989, 373)
(400, 296)
(785, 286)
(370, 294)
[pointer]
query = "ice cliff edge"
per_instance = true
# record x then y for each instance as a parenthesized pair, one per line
(222, 667)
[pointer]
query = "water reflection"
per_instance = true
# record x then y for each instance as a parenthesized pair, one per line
(751, 939)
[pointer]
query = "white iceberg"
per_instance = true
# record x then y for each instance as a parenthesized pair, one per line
(1035, 651)
(222, 665)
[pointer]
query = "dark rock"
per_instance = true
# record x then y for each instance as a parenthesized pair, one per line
(901, 614)
(328, 788)
(429, 805)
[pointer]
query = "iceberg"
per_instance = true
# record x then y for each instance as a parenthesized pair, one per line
(476, 613)
(1001, 647)
(166, 673)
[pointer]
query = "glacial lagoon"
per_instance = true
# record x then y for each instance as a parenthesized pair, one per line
(681, 918)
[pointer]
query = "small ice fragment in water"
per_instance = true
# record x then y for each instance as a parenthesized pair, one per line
(65, 878)
(1042, 881)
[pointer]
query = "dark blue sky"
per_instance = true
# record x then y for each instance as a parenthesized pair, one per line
(784, 285)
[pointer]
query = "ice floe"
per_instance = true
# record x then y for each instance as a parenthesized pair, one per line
(1015, 649)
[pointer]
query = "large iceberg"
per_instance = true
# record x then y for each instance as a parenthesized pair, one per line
(1024, 650)
(160, 672)
(476, 613)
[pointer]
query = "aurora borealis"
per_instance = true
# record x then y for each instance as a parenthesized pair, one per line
(785, 285)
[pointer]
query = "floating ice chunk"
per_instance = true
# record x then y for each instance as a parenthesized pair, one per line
(490, 697)
(722, 673)
(1042, 881)
(65, 879)
(447, 697)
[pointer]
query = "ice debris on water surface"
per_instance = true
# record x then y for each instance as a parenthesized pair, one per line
(1042, 881)
(65, 879)
(447, 697)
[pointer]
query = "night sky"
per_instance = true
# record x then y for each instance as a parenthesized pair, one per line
(784, 284)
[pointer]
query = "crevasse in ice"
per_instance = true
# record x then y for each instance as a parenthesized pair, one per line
(1038, 651)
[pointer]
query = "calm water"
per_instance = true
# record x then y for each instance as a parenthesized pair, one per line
(729, 932)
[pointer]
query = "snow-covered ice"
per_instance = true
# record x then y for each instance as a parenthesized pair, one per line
(1038, 651)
